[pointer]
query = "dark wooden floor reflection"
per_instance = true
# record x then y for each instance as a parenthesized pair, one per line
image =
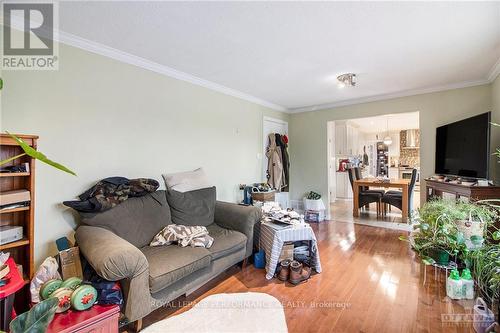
(370, 282)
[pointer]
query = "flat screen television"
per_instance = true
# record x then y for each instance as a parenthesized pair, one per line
(463, 147)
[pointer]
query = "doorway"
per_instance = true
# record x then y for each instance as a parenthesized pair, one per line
(384, 147)
(273, 125)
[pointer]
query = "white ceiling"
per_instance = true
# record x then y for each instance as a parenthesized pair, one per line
(288, 53)
(390, 122)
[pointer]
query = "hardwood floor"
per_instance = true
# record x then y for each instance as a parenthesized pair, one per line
(341, 211)
(370, 282)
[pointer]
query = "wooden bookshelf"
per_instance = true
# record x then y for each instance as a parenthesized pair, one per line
(13, 210)
(22, 242)
(21, 250)
(14, 174)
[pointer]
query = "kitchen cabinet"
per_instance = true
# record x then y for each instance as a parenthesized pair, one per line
(346, 139)
(393, 173)
(352, 140)
(340, 139)
(394, 146)
(343, 186)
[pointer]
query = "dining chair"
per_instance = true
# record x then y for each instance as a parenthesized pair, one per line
(357, 173)
(395, 198)
(366, 197)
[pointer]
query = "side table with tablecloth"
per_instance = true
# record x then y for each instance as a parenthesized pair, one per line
(272, 237)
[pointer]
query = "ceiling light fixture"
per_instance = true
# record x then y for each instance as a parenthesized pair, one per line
(348, 79)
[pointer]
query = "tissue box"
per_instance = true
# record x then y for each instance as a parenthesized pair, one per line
(69, 263)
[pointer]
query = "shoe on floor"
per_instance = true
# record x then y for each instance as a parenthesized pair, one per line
(284, 272)
(299, 272)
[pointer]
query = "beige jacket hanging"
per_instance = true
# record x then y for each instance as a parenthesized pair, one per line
(274, 164)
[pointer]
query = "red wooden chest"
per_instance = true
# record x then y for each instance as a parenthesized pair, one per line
(97, 319)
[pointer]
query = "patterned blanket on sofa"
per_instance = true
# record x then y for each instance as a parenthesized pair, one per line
(195, 236)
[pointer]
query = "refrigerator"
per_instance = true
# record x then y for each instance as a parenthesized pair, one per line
(382, 160)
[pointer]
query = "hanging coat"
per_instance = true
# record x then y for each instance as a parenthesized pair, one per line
(286, 162)
(274, 166)
(281, 152)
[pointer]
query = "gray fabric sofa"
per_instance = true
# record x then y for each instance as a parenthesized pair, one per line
(115, 243)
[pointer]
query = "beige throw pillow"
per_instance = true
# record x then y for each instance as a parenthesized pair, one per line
(187, 181)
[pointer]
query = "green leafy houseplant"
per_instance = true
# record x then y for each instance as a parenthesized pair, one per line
(34, 154)
(36, 319)
(485, 267)
(436, 231)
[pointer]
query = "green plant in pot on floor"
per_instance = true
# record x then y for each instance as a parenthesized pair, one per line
(441, 227)
(485, 267)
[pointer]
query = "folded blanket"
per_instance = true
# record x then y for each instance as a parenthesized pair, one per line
(195, 236)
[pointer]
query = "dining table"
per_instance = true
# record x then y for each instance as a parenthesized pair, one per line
(402, 184)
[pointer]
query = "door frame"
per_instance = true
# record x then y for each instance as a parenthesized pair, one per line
(265, 120)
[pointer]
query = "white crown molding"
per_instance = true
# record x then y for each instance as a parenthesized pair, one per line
(101, 49)
(495, 71)
(131, 59)
(376, 98)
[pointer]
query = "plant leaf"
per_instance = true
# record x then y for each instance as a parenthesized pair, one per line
(496, 235)
(428, 261)
(39, 155)
(37, 319)
(11, 158)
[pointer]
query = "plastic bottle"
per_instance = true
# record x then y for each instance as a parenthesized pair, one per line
(467, 284)
(454, 285)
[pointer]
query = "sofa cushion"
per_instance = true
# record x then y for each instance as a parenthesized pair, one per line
(168, 264)
(137, 220)
(187, 181)
(192, 208)
(225, 241)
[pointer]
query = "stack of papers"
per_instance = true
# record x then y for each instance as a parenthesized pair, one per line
(272, 212)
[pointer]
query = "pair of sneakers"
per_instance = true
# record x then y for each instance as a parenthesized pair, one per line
(293, 271)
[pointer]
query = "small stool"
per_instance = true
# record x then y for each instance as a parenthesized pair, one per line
(8, 293)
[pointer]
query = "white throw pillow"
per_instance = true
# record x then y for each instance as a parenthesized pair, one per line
(187, 181)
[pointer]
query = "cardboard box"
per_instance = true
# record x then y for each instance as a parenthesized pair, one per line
(69, 263)
(286, 252)
(263, 196)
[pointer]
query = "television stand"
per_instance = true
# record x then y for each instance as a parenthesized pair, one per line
(436, 188)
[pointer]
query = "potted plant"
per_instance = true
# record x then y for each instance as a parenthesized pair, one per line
(445, 228)
(436, 236)
(37, 319)
(485, 268)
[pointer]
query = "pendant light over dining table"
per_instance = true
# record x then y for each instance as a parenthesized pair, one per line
(387, 138)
